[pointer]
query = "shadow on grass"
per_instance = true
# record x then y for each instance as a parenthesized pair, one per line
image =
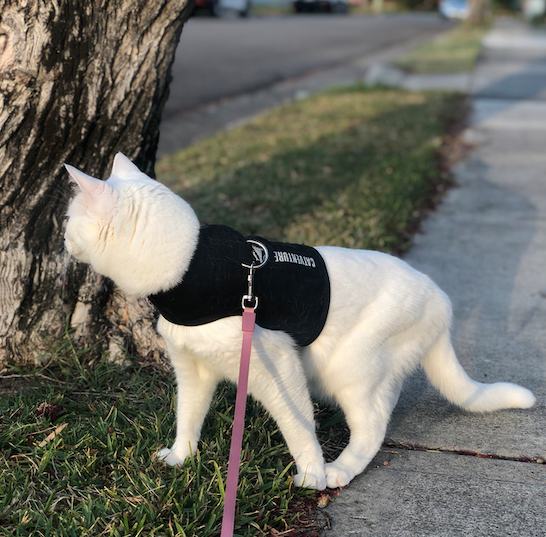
(77, 450)
(360, 184)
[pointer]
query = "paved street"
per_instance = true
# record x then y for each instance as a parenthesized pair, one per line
(258, 63)
(220, 58)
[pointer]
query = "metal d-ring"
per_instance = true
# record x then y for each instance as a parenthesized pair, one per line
(264, 260)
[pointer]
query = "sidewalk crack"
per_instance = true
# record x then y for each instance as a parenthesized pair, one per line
(467, 453)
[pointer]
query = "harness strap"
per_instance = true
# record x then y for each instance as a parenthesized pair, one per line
(228, 518)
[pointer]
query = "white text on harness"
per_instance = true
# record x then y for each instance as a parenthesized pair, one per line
(288, 257)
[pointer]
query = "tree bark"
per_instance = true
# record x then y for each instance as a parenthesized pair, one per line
(79, 81)
(480, 12)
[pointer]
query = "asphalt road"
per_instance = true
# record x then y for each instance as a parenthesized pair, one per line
(226, 58)
(220, 58)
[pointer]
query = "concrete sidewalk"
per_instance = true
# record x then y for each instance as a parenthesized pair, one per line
(485, 246)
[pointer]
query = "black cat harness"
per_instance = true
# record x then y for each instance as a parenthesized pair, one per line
(291, 283)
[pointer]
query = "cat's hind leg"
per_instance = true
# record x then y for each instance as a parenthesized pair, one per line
(367, 418)
(278, 381)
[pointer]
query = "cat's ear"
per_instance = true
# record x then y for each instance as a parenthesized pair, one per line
(100, 198)
(123, 168)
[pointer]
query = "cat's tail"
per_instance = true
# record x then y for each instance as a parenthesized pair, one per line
(447, 375)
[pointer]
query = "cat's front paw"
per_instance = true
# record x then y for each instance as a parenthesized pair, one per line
(337, 475)
(171, 456)
(310, 480)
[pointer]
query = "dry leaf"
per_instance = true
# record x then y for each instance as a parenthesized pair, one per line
(52, 435)
(323, 501)
(49, 411)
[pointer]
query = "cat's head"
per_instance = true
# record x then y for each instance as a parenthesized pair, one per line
(131, 228)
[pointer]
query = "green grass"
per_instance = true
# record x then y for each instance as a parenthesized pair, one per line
(456, 51)
(352, 167)
(98, 477)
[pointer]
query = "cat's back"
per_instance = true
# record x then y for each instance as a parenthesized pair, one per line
(376, 293)
(368, 264)
(368, 275)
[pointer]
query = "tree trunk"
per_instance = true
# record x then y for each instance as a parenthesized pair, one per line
(79, 81)
(480, 12)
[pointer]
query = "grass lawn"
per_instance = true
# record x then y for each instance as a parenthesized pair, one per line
(455, 51)
(354, 167)
(350, 167)
(97, 475)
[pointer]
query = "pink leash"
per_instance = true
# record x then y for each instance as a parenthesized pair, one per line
(249, 321)
(228, 519)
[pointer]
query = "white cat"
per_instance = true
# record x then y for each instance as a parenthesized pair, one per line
(384, 320)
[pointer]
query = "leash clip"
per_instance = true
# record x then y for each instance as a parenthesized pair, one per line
(249, 300)
(261, 255)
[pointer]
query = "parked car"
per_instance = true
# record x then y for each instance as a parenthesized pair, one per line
(332, 6)
(454, 9)
(220, 8)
